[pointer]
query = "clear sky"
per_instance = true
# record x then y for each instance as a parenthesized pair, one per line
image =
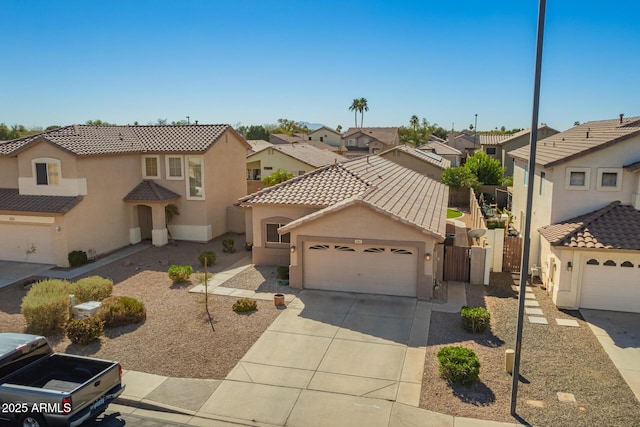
(252, 62)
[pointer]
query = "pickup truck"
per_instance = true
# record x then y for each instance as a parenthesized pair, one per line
(41, 388)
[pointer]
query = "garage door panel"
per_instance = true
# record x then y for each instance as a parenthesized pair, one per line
(388, 270)
(611, 287)
(18, 239)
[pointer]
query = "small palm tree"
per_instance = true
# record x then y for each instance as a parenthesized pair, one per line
(355, 107)
(363, 106)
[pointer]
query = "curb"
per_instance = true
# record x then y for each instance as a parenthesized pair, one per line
(152, 406)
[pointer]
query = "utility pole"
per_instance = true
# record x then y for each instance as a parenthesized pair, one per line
(475, 132)
(188, 120)
(526, 241)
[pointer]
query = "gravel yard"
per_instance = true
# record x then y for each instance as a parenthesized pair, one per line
(554, 359)
(178, 338)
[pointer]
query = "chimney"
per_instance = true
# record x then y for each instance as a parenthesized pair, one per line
(621, 116)
(588, 132)
(196, 123)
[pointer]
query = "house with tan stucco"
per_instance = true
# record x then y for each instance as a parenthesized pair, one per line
(422, 161)
(585, 221)
(368, 225)
(358, 142)
(100, 188)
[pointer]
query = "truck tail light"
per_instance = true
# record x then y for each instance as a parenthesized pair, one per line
(120, 370)
(66, 405)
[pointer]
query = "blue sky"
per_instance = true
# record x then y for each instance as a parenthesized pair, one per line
(253, 62)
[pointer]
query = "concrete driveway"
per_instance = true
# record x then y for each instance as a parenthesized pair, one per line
(14, 271)
(619, 334)
(331, 358)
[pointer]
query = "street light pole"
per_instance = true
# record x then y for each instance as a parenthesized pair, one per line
(475, 132)
(526, 240)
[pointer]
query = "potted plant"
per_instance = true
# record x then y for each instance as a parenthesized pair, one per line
(283, 275)
(248, 246)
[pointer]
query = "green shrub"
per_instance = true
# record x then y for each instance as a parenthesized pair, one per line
(121, 311)
(244, 305)
(77, 258)
(46, 306)
(475, 319)
(458, 364)
(491, 225)
(84, 330)
(180, 273)
(283, 272)
(210, 256)
(227, 246)
(94, 288)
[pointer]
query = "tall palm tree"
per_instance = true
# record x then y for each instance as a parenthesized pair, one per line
(355, 107)
(414, 121)
(363, 106)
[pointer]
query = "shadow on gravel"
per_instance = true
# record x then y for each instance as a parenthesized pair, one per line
(476, 394)
(456, 334)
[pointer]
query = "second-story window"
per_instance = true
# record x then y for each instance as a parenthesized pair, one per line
(47, 172)
(150, 167)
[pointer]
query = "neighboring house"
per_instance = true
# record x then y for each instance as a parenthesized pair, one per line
(585, 222)
(297, 159)
(327, 135)
(360, 142)
(424, 162)
(283, 138)
(99, 188)
(443, 150)
(468, 144)
(368, 225)
(257, 145)
(499, 148)
(323, 146)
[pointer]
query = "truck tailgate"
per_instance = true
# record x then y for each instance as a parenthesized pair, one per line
(91, 392)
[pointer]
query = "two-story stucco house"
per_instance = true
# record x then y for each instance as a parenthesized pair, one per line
(368, 225)
(443, 150)
(585, 223)
(499, 148)
(99, 188)
(358, 142)
(327, 135)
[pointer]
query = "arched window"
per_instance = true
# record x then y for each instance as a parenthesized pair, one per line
(626, 264)
(344, 248)
(374, 250)
(593, 262)
(401, 251)
(319, 247)
(609, 263)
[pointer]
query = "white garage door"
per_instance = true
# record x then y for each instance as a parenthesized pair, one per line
(611, 285)
(26, 243)
(387, 270)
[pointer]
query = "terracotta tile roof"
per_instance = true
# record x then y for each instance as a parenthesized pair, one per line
(385, 186)
(389, 136)
(323, 146)
(284, 138)
(149, 191)
(86, 140)
(492, 138)
(326, 128)
(425, 156)
(510, 137)
(12, 201)
(616, 226)
(580, 140)
(440, 148)
(309, 154)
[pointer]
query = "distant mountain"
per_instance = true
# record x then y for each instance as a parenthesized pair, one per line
(311, 126)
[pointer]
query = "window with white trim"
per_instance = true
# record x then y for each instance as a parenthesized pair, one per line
(274, 237)
(609, 179)
(491, 151)
(543, 176)
(195, 179)
(46, 171)
(351, 142)
(577, 178)
(174, 167)
(151, 167)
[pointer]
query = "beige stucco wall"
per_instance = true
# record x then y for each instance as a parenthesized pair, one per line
(8, 172)
(516, 143)
(414, 164)
(358, 223)
(327, 136)
(276, 160)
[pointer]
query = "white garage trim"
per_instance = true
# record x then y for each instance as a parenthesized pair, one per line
(387, 269)
(611, 283)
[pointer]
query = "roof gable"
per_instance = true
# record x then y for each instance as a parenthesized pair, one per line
(615, 226)
(580, 140)
(424, 156)
(87, 140)
(440, 148)
(386, 135)
(149, 191)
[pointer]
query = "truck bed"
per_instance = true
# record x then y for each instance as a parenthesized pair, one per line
(59, 372)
